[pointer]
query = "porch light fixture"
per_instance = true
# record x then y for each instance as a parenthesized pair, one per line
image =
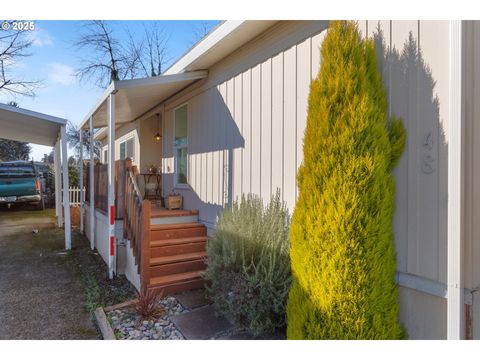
(157, 135)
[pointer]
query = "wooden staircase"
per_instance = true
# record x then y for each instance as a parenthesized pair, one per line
(169, 246)
(177, 257)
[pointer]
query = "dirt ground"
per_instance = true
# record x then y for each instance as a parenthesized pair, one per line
(45, 291)
(40, 297)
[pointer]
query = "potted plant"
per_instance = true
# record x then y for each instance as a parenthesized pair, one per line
(174, 201)
(152, 169)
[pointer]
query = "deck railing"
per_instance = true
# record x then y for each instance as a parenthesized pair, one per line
(136, 223)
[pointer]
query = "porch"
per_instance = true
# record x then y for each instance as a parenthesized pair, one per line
(157, 249)
(162, 251)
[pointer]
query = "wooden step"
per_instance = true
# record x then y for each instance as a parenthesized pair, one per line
(176, 288)
(167, 242)
(175, 226)
(171, 284)
(176, 231)
(162, 212)
(178, 249)
(171, 220)
(175, 278)
(162, 260)
(176, 268)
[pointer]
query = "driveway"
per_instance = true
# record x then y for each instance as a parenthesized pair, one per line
(40, 296)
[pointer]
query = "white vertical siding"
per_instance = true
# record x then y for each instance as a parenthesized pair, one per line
(413, 60)
(246, 124)
(303, 71)
(237, 151)
(316, 43)
(266, 129)
(247, 131)
(471, 209)
(472, 158)
(216, 172)
(290, 126)
(256, 132)
(277, 123)
(248, 127)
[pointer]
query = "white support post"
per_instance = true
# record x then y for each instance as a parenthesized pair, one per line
(82, 195)
(455, 302)
(66, 197)
(91, 212)
(111, 183)
(58, 183)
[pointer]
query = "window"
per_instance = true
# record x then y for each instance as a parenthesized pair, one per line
(180, 145)
(105, 156)
(127, 149)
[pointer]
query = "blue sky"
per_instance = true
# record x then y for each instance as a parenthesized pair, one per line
(54, 61)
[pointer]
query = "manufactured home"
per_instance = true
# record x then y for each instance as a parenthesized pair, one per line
(228, 118)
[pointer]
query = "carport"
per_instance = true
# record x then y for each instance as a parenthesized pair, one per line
(42, 129)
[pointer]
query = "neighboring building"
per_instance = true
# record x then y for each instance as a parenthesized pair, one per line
(231, 113)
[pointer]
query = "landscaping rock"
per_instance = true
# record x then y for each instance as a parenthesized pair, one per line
(127, 324)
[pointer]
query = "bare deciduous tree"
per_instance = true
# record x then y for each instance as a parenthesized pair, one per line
(114, 60)
(200, 30)
(14, 45)
(150, 53)
(73, 139)
(109, 60)
(156, 50)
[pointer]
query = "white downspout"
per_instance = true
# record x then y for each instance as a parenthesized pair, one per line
(455, 302)
(111, 183)
(66, 187)
(82, 195)
(91, 211)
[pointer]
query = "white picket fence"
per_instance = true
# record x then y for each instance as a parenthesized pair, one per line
(74, 195)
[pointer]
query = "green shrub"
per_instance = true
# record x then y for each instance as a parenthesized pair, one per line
(342, 249)
(249, 265)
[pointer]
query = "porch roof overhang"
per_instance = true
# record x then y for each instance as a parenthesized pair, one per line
(133, 98)
(29, 126)
(224, 39)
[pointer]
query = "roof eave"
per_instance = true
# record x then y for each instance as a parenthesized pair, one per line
(35, 114)
(204, 45)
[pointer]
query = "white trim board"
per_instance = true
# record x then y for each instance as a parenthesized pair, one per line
(455, 310)
(428, 286)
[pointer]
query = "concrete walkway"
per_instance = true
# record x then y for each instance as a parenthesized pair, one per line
(201, 322)
(40, 297)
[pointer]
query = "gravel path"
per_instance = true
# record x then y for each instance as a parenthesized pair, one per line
(40, 297)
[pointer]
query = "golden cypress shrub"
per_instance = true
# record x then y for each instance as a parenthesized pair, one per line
(342, 250)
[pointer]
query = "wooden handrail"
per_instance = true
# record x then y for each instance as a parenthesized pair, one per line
(145, 264)
(136, 223)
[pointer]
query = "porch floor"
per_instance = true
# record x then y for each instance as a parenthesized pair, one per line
(158, 211)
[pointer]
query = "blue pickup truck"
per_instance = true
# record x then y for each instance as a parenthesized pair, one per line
(20, 182)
